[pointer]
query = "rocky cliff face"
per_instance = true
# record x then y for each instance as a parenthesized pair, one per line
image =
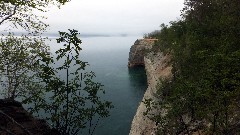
(137, 51)
(156, 66)
(15, 120)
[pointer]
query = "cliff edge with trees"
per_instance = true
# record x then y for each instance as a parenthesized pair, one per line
(202, 96)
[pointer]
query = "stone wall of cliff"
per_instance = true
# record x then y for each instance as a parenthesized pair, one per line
(137, 51)
(156, 66)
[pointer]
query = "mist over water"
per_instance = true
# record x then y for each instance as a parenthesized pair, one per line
(108, 58)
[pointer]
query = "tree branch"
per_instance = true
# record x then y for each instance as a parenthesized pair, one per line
(9, 16)
(9, 132)
(13, 121)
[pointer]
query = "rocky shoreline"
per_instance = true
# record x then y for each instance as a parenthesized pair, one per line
(156, 66)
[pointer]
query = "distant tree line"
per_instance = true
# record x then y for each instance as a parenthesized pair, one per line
(153, 34)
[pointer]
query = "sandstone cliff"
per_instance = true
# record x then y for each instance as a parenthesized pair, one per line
(137, 51)
(156, 66)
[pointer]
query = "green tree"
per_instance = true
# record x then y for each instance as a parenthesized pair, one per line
(205, 89)
(70, 104)
(19, 54)
(17, 65)
(28, 75)
(20, 13)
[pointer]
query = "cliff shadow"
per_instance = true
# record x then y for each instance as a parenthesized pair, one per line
(138, 79)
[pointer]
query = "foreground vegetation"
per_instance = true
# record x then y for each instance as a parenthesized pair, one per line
(29, 74)
(204, 94)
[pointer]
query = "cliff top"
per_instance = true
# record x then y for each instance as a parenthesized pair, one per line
(145, 41)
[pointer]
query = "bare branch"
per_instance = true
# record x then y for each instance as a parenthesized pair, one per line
(13, 121)
(9, 132)
(9, 16)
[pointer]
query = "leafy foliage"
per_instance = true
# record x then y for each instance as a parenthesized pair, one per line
(205, 88)
(20, 13)
(17, 65)
(69, 104)
(28, 74)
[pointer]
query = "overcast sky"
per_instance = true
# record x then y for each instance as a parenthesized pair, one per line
(112, 17)
(132, 17)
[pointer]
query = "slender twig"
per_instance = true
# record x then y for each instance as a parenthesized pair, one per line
(95, 126)
(76, 131)
(66, 124)
(90, 125)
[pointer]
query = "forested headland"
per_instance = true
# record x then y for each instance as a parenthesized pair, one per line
(203, 96)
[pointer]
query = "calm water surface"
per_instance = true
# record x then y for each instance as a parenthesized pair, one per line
(108, 58)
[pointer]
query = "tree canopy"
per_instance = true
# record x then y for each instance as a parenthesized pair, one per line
(27, 73)
(204, 91)
(19, 13)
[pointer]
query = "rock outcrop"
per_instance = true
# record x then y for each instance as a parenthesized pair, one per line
(15, 120)
(156, 66)
(137, 51)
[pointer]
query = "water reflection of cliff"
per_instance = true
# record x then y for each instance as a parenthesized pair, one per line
(138, 79)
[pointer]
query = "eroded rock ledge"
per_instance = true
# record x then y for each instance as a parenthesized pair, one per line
(156, 66)
(138, 51)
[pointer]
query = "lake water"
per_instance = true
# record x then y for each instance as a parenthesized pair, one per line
(108, 58)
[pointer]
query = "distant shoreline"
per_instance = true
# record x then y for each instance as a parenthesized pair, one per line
(55, 35)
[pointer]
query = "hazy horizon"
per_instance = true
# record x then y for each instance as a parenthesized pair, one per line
(111, 17)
